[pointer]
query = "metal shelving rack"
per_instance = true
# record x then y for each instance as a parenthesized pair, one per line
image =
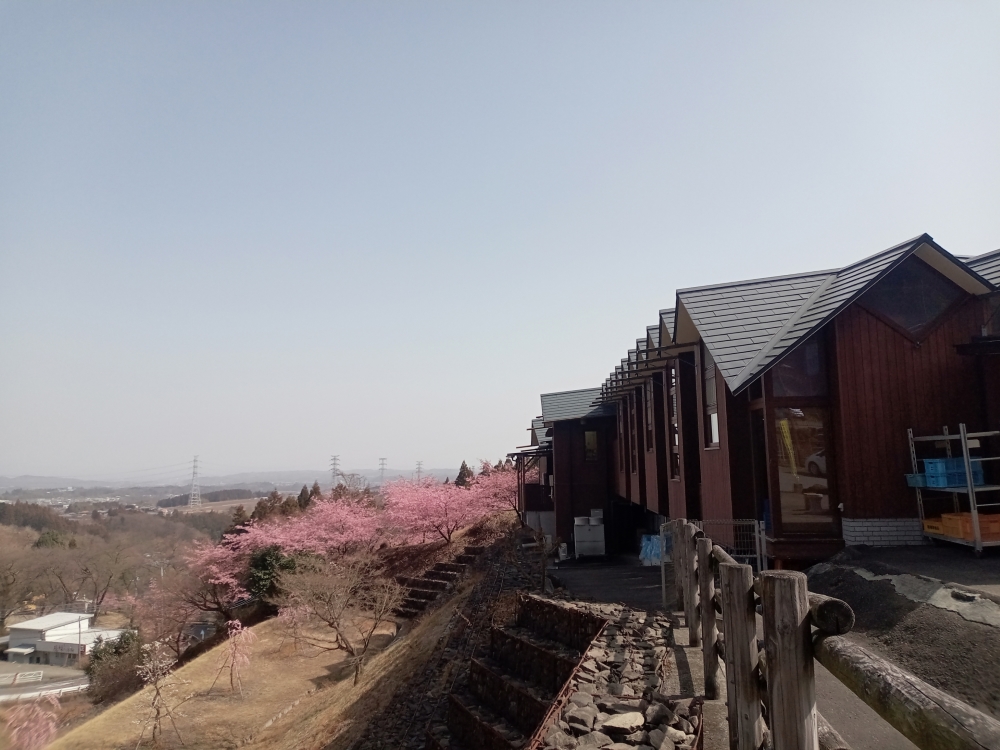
(969, 488)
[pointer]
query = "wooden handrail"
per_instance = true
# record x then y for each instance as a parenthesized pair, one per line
(929, 718)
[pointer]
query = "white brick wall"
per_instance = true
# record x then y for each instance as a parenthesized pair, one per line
(883, 532)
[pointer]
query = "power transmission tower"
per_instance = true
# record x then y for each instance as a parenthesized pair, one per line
(381, 471)
(420, 469)
(194, 499)
(335, 470)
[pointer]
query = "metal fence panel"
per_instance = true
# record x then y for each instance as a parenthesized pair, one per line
(742, 538)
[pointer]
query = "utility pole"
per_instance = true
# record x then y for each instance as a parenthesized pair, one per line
(381, 471)
(194, 499)
(420, 469)
(335, 470)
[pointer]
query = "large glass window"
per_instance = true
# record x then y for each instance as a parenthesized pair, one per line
(710, 398)
(802, 467)
(912, 297)
(803, 372)
(674, 436)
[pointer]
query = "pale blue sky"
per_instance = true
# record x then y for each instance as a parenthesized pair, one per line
(270, 232)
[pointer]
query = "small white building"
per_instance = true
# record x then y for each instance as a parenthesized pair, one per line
(59, 639)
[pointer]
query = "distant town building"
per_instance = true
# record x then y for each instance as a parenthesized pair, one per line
(58, 639)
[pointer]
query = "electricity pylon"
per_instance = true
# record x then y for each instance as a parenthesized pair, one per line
(335, 470)
(381, 471)
(420, 469)
(194, 499)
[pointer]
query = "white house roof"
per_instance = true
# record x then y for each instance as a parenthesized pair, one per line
(54, 620)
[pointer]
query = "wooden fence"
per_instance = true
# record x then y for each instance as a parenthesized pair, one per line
(770, 682)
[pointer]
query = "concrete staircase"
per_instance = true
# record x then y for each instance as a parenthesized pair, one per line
(425, 589)
(510, 688)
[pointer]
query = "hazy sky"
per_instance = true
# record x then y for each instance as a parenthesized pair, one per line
(270, 232)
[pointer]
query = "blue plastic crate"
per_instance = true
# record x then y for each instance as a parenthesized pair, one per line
(939, 480)
(916, 480)
(936, 466)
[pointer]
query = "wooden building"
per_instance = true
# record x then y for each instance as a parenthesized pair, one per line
(787, 399)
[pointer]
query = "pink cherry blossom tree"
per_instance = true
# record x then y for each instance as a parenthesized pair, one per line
(496, 487)
(33, 725)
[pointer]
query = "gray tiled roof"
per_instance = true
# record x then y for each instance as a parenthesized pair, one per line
(574, 405)
(987, 266)
(836, 292)
(737, 320)
(539, 429)
(667, 318)
(653, 333)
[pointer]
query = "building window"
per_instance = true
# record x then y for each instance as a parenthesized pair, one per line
(803, 372)
(912, 297)
(674, 436)
(590, 445)
(802, 467)
(621, 436)
(710, 397)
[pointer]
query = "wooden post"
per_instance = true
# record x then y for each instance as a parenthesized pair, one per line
(709, 624)
(677, 530)
(791, 685)
(746, 728)
(693, 621)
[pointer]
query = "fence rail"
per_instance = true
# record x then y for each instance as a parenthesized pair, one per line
(770, 682)
(20, 678)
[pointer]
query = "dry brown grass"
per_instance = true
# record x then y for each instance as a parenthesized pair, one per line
(298, 692)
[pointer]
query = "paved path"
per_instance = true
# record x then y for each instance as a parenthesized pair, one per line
(622, 579)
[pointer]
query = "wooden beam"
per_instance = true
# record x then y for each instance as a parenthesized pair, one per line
(929, 718)
(739, 622)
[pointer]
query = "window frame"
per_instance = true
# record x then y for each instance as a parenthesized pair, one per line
(708, 411)
(928, 328)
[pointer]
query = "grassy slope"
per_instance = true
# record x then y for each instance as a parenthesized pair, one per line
(328, 712)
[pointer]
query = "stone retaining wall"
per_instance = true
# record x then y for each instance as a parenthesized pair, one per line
(572, 627)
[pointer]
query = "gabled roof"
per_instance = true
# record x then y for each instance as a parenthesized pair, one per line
(749, 326)
(538, 432)
(653, 334)
(582, 404)
(987, 266)
(667, 321)
(737, 320)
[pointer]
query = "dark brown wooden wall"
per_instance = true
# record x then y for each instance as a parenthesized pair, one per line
(991, 387)
(657, 499)
(580, 485)
(886, 383)
(637, 492)
(716, 488)
(622, 482)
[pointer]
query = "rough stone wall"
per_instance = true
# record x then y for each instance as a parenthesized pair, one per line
(572, 627)
(533, 662)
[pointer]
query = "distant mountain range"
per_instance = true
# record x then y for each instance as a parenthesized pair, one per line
(251, 479)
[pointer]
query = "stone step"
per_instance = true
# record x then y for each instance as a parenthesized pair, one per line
(425, 584)
(476, 726)
(474, 549)
(417, 604)
(540, 661)
(450, 567)
(423, 594)
(465, 559)
(407, 612)
(524, 705)
(448, 576)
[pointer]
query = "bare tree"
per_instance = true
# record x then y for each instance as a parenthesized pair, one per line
(236, 656)
(155, 671)
(350, 596)
(108, 566)
(19, 576)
